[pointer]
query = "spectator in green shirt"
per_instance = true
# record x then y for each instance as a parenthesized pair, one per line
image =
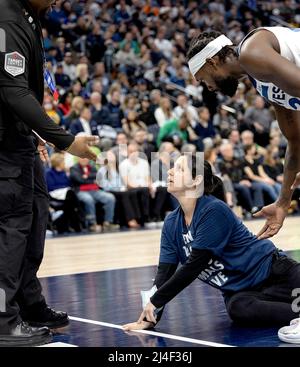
(174, 130)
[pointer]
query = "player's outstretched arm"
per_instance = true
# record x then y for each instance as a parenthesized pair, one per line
(289, 122)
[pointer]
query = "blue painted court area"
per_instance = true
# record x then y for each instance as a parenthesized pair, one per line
(99, 303)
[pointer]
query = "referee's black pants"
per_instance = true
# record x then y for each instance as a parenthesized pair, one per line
(275, 302)
(30, 291)
(22, 233)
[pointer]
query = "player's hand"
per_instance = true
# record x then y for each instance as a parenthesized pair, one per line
(275, 216)
(138, 326)
(43, 152)
(81, 147)
(296, 182)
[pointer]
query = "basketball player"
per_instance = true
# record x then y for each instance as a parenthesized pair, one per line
(270, 56)
(212, 244)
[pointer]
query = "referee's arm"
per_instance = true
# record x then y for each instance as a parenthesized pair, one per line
(14, 89)
(27, 108)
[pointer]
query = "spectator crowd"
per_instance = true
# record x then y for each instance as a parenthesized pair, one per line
(121, 73)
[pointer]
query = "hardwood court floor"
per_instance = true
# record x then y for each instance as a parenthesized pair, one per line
(130, 249)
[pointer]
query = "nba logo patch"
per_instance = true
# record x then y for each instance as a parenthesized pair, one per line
(14, 63)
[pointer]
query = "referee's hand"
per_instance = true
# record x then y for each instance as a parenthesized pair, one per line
(43, 152)
(81, 147)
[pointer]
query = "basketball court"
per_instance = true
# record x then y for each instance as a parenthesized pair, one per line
(97, 279)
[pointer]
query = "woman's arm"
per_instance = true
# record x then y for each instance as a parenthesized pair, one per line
(164, 273)
(183, 277)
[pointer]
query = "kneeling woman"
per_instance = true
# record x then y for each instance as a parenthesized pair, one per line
(212, 244)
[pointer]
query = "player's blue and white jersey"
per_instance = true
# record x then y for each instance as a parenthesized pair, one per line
(274, 94)
(289, 41)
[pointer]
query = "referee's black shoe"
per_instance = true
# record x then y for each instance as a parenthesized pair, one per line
(23, 335)
(40, 314)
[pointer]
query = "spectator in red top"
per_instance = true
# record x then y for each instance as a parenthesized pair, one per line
(83, 177)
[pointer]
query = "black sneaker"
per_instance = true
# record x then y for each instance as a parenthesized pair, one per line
(24, 335)
(42, 315)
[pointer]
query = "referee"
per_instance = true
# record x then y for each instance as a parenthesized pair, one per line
(24, 127)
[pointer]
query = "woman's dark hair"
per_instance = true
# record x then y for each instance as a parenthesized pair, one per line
(213, 185)
(199, 42)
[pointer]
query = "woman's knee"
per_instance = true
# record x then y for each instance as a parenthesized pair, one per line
(240, 307)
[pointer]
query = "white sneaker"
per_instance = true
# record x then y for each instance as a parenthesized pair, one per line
(295, 321)
(291, 333)
(160, 224)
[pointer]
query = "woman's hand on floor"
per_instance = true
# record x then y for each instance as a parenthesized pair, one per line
(138, 326)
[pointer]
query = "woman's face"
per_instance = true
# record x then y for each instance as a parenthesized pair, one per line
(111, 158)
(79, 105)
(165, 103)
(180, 178)
(145, 104)
(131, 116)
(131, 103)
(61, 165)
(77, 88)
(83, 71)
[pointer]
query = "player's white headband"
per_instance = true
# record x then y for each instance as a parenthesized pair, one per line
(210, 50)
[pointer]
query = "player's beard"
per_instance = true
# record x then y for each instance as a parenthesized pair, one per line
(227, 86)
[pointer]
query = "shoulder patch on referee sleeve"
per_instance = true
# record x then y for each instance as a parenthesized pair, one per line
(14, 63)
